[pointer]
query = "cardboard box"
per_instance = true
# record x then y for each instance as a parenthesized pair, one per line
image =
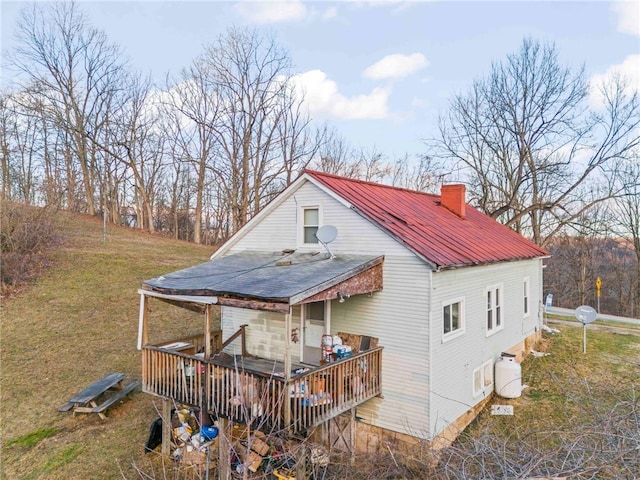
(194, 457)
(249, 457)
(260, 447)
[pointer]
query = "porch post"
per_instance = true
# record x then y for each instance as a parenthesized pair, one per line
(143, 334)
(287, 368)
(207, 331)
(224, 449)
(166, 427)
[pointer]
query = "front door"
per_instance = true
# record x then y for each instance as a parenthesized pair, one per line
(313, 315)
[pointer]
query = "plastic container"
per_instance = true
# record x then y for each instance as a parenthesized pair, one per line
(508, 376)
(209, 432)
(327, 345)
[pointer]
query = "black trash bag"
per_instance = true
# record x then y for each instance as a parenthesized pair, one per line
(155, 436)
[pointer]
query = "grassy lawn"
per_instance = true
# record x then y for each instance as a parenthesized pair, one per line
(76, 324)
(80, 321)
(579, 412)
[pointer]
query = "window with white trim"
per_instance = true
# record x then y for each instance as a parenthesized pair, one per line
(310, 224)
(526, 309)
(453, 318)
(494, 309)
(483, 379)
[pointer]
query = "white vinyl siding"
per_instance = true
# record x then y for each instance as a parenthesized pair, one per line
(453, 363)
(397, 317)
(279, 229)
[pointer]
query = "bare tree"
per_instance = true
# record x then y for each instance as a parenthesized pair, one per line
(7, 125)
(627, 210)
(133, 138)
(250, 75)
(78, 70)
(423, 175)
(194, 112)
(528, 145)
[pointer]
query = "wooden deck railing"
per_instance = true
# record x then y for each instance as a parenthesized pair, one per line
(251, 397)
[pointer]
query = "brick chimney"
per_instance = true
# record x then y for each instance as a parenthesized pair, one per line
(452, 197)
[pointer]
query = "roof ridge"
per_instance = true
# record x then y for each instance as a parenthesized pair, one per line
(366, 182)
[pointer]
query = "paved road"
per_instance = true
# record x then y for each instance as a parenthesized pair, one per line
(567, 312)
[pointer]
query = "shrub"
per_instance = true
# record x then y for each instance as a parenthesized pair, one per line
(27, 236)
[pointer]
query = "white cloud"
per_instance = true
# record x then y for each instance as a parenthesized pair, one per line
(323, 98)
(279, 11)
(396, 66)
(628, 13)
(272, 11)
(629, 70)
(330, 13)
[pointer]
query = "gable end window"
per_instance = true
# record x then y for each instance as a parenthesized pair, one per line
(453, 319)
(494, 309)
(310, 224)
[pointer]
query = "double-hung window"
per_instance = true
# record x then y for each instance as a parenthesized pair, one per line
(494, 309)
(526, 308)
(310, 224)
(453, 319)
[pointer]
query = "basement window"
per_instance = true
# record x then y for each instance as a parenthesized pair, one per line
(483, 379)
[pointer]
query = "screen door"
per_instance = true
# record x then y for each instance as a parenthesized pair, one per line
(314, 328)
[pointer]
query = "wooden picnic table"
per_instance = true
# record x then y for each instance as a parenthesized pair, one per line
(86, 400)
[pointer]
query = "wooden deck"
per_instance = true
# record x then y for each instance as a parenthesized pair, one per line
(254, 391)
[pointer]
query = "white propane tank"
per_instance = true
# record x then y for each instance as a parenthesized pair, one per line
(508, 376)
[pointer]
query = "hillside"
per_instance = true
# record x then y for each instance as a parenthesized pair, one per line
(74, 325)
(578, 415)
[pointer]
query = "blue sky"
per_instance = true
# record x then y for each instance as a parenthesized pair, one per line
(379, 72)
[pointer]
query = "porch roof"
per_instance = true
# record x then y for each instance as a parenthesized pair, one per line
(273, 281)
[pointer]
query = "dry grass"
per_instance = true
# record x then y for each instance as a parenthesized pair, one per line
(76, 324)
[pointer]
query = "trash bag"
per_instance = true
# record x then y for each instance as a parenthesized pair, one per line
(155, 436)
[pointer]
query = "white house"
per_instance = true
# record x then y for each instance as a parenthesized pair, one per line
(443, 288)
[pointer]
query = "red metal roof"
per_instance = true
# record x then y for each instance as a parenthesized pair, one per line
(422, 224)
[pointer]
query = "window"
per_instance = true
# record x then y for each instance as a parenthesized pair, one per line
(525, 297)
(315, 311)
(494, 308)
(310, 224)
(483, 378)
(453, 319)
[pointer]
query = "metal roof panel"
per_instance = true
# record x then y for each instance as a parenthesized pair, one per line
(432, 231)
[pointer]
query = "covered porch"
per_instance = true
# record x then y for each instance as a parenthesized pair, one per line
(283, 392)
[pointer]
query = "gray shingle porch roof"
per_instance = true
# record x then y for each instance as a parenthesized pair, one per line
(275, 278)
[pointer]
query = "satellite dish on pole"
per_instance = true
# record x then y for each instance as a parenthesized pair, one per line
(325, 235)
(585, 314)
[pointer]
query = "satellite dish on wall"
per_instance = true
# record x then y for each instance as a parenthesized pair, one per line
(325, 235)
